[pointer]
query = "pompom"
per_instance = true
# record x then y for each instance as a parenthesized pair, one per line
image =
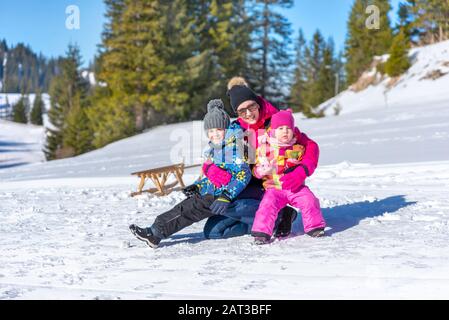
(215, 104)
(237, 81)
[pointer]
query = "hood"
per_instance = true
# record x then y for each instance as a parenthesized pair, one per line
(267, 110)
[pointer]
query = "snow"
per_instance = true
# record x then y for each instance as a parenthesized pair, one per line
(12, 98)
(414, 86)
(20, 144)
(89, 76)
(382, 182)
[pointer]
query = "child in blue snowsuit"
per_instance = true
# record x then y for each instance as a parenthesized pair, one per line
(204, 198)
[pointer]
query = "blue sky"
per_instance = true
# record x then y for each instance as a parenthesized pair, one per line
(42, 24)
(330, 16)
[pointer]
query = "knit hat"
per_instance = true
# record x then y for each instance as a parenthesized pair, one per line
(239, 92)
(283, 118)
(216, 116)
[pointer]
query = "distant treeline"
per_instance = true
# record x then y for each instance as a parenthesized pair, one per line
(23, 71)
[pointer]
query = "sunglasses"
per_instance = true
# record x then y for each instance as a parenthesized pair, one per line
(242, 112)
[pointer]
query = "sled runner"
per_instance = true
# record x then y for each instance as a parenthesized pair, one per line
(159, 178)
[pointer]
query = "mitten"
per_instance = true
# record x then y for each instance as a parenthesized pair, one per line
(294, 180)
(219, 177)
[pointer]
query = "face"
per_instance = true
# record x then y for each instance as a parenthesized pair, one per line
(249, 111)
(283, 134)
(216, 136)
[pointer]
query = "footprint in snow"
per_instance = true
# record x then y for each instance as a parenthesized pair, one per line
(255, 285)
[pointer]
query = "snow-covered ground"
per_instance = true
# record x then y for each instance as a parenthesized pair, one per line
(20, 144)
(383, 182)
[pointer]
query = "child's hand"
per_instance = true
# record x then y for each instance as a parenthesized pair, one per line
(219, 177)
(293, 162)
(264, 168)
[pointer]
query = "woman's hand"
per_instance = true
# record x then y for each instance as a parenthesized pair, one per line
(220, 205)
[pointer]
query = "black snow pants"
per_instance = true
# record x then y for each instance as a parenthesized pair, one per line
(187, 212)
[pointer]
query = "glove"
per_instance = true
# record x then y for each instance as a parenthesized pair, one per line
(220, 206)
(294, 180)
(191, 190)
(219, 177)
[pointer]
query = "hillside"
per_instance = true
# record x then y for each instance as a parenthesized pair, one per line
(424, 84)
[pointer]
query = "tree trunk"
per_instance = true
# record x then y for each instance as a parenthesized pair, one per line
(265, 49)
(139, 118)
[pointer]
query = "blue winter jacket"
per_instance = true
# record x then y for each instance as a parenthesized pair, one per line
(228, 156)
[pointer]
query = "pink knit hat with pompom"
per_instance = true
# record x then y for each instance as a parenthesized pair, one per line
(283, 118)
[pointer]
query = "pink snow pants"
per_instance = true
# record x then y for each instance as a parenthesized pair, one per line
(274, 200)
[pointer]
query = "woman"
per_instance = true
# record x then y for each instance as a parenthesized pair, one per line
(254, 115)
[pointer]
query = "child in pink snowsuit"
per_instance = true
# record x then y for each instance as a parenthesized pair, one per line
(278, 154)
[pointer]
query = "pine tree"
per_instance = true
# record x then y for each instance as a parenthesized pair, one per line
(363, 43)
(19, 113)
(65, 90)
(77, 137)
(327, 74)
(317, 70)
(25, 71)
(226, 43)
(297, 90)
(168, 86)
(109, 118)
(220, 50)
(314, 61)
(398, 62)
(110, 115)
(407, 14)
(431, 19)
(3, 61)
(145, 67)
(270, 60)
(341, 75)
(37, 110)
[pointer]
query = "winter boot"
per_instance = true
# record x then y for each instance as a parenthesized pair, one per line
(145, 235)
(261, 238)
(316, 233)
(285, 225)
(261, 241)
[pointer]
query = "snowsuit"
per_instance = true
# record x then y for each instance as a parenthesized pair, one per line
(228, 156)
(280, 159)
(232, 225)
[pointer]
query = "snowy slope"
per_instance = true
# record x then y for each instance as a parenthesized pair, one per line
(416, 86)
(383, 181)
(20, 144)
(402, 134)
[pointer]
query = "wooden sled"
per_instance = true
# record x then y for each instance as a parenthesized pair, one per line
(159, 177)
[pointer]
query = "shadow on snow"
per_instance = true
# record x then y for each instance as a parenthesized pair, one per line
(338, 218)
